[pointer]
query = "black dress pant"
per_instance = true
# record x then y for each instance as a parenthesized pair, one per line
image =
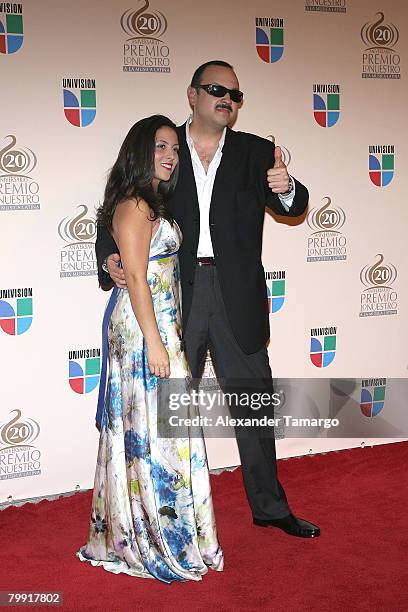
(208, 327)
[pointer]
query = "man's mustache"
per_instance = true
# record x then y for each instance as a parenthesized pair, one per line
(224, 105)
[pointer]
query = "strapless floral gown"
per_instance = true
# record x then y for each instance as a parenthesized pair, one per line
(152, 513)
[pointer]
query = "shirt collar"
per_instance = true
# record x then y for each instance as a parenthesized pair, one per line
(190, 142)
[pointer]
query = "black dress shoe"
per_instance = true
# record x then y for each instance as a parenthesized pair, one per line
(292, 525)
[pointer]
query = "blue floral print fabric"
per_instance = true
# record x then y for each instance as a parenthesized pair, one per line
(152, 514)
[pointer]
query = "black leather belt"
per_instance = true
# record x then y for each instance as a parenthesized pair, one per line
(205, 261)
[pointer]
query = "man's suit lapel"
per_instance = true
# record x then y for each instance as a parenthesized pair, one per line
(227, 170)
(186, 187)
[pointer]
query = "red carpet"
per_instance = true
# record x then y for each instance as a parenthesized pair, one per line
(358, 497)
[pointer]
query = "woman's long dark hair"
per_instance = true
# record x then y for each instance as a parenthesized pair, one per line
(133, 172)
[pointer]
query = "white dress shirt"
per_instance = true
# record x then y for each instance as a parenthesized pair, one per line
(205, 183)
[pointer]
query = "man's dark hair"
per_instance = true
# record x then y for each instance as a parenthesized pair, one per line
(196, 80)
(133, 173)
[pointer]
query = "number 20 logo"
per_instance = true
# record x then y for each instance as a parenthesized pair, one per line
(143, 23)
(16, 160)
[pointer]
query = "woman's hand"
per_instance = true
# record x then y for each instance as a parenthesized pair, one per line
(158, 359)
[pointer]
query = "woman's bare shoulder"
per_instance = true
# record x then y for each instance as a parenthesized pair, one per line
(133, 206)
(132, 211)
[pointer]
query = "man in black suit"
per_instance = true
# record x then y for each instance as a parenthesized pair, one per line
(225, 180)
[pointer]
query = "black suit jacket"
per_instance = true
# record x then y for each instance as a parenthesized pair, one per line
(237, 213)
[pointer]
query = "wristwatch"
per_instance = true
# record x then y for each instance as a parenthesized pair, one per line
(290, 188)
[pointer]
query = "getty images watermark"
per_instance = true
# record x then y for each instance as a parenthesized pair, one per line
(184, 408)
(252, 401)
(371, 407)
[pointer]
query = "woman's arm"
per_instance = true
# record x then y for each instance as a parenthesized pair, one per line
(132, 230)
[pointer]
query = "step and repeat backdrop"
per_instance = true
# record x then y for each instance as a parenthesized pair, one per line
(327, 80)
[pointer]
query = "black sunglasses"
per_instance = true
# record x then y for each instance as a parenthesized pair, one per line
(219, 91)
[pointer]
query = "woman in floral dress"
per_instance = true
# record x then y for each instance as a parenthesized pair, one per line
(152, 514)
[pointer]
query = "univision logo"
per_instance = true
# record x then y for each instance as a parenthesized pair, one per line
(372, 398)
(18, 456)
(79, 101)
(84, 369)
(380, 61)
(323, 346)
(327, 242)
(78, 255)
(326, 104)
(379, 298)
(144, 50)
(381, 160)
(18, 191)
(275, 289)
(269, 38)
(11, 27)
(16, 310)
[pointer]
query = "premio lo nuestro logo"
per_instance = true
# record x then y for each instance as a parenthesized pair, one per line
(286, 155)
(275, 289)
(16, 310)
(372, 397)
(326, 242)
(144, 50)
(78, 254)
(84, 369)
(380, 60)
(326, 6)
(269, 38)
(322, 346)
(79, 101)
(381, 164)
(379, 298)
(11, 27)
(208, 380)
(18, 455)
(18, 190)
(326, 104)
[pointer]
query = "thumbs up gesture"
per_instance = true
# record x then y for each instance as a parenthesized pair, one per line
(278, 177)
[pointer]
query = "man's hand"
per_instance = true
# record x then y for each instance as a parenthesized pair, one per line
(278, 177)
(116, 273)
